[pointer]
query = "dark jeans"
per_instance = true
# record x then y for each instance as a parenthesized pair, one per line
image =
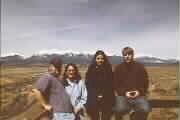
(139, 105)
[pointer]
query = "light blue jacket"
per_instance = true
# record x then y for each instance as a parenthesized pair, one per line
(77, 92)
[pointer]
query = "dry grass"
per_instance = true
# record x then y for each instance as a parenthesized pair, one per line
(17, 81)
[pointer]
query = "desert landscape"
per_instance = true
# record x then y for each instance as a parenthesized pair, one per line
(17, 82)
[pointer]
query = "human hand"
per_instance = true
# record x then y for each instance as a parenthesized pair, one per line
(47, 107)
(132, 94)
(100, 96)
(76, 110)
(115, 93)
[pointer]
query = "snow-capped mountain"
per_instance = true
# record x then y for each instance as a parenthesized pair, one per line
(70, 56)
(155, 60)
(13, 54)
(63, 52)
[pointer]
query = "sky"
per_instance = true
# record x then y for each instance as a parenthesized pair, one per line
(149, 26)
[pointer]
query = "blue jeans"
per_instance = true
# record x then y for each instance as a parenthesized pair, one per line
(139, 105)
(63, 116)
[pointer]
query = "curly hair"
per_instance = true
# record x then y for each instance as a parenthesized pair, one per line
(77, 77)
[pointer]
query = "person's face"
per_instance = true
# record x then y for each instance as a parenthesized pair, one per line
(71, 72)
(128, 58)
(99, 59)
(51, 68)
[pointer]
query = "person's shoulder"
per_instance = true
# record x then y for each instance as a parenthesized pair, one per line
(43, 80)
(89, 67)
(119, 66)
(138, 64)
(81, 82)
(46, 75)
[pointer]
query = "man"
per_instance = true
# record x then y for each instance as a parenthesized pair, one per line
(131, 85)
(50, 92)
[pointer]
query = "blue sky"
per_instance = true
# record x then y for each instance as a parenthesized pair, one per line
(149, 26)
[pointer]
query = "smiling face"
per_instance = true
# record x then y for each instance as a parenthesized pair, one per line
(71, 72)
(99, 60)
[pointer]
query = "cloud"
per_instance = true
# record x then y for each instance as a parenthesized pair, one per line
(82, 25)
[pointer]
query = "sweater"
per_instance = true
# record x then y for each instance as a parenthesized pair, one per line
(129, 77)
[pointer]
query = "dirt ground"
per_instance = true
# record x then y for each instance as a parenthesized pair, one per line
(17, 82)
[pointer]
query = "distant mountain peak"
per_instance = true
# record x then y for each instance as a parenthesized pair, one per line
(62, 52)
(13, 54)
(77, 57)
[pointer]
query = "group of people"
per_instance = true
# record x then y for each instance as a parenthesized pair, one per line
(103, 92)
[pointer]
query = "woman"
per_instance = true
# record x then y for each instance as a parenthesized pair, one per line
(75, 87)
(99, 82)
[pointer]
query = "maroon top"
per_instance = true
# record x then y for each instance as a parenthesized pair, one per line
(50, 86)
(128, 77)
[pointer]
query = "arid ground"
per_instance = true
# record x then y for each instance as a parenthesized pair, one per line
(17, 82)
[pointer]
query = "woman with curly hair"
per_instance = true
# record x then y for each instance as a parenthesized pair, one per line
(75, 88)
(99, 83)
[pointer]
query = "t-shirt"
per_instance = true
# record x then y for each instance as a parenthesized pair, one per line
(50, 86)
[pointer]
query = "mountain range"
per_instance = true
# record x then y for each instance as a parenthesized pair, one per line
(79, 58)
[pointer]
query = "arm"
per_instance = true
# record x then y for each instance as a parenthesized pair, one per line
(119, 77)
(83, 97)
(110, 80)
(41, 88)
(116, 81)
(87, 78)
(110, 83)
(42, 100)
(89, 83)
(144, 81)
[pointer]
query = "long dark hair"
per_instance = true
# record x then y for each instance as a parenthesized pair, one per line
(99, 79)
(105, 68)
(106, 62)
(77, 74)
